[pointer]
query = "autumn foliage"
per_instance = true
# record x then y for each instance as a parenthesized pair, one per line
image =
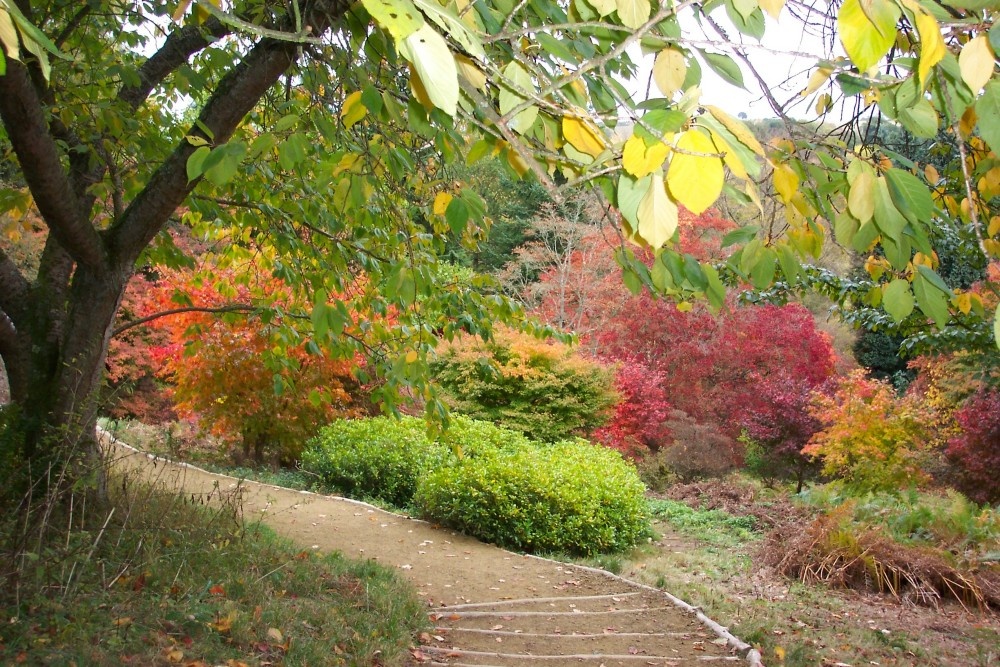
(976, 450)
(544, 389)
(228, 371)
(872, 439)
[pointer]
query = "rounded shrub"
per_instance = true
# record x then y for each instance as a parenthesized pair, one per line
(570, 497)
(383, 458)
(379, 457)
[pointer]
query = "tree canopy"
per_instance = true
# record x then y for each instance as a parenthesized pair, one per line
(311, 136)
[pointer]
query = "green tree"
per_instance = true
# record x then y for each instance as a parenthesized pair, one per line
(313, 130)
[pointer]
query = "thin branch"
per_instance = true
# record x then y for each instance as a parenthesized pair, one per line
(72, 25)
(231, 308)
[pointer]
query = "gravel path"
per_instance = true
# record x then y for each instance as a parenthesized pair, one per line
(488, 606)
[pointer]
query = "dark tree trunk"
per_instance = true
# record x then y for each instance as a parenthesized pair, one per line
(55, 329)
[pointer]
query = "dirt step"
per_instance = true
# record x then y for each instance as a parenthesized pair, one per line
(644, 620)
(505, 641)
(469, 658)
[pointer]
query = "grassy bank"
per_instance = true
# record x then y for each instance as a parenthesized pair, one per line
(157, 578)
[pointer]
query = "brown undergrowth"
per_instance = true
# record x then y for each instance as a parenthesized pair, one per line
(834, 551)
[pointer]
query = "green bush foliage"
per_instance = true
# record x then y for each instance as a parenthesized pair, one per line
(383, 459)
(379, 458)
(570, 497)
(541, 388)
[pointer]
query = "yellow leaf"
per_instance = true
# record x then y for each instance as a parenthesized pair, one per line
(695, 176)
(582, 136)
(786, 182)
(931, 174)
(816, 80)
(976, 63)
(779, 653)
(517, 163)
(657, 214)
(994, 227)
(441, 202)
(353, 110)
(181, 8)
(669, 71)
(633, 13)
(174, 655)
(8, 36)
(274, 634)
(867, 32)
(639, 160)
(861, 198)
(968, 121)
(603, 7)
(772, 7)
(932, 48)
(468, 71)
(738, 129)
(964, 302)
(729, 156)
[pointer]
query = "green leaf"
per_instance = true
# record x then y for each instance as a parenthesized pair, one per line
(399, 17)
(845, 226)
(934, 279)
(751, 25)
(920, 119)
(762, 272)
(898, 300)
(196, 162)
(320, 322)
(889, 220)
(457, 215)
(724, 66)
(867, 30)
(292, 151)
(630, 194)
(996, 327)
(790, 265)
(633, 13)
(740, 236)
(223, 162)
(988, 110)
(715, 291)
(911, 197)
(932, 301)
(516, 88)
(449, 21)
(434, 64)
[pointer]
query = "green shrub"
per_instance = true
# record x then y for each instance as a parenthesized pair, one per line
(570, 497)
(541, 388)
(383, 458)
(380, 458)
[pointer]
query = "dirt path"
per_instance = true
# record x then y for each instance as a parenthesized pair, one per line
(489, 607)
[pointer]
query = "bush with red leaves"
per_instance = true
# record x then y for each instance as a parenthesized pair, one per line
(977, 449)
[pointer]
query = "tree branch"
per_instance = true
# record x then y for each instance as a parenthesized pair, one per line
(180, 45)
(41, 164)
(237, 93)
(232, 308)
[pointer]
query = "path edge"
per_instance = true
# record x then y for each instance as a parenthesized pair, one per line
(750, 654)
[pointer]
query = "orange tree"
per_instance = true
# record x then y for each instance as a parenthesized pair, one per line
(240, 375)
(314, 128)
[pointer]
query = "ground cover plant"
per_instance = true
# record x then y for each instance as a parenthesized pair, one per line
(159, 577)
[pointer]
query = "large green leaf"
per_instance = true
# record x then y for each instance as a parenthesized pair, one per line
(435, 65)
(518, 85)
(867, 30)
(988, 110)
(448, 20)
(898, 300)
(724, 66)
(911, 197)
(399, 17)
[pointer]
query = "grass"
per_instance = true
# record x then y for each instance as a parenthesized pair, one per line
(155, 578)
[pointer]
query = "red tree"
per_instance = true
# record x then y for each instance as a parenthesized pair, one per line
(977, 449)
